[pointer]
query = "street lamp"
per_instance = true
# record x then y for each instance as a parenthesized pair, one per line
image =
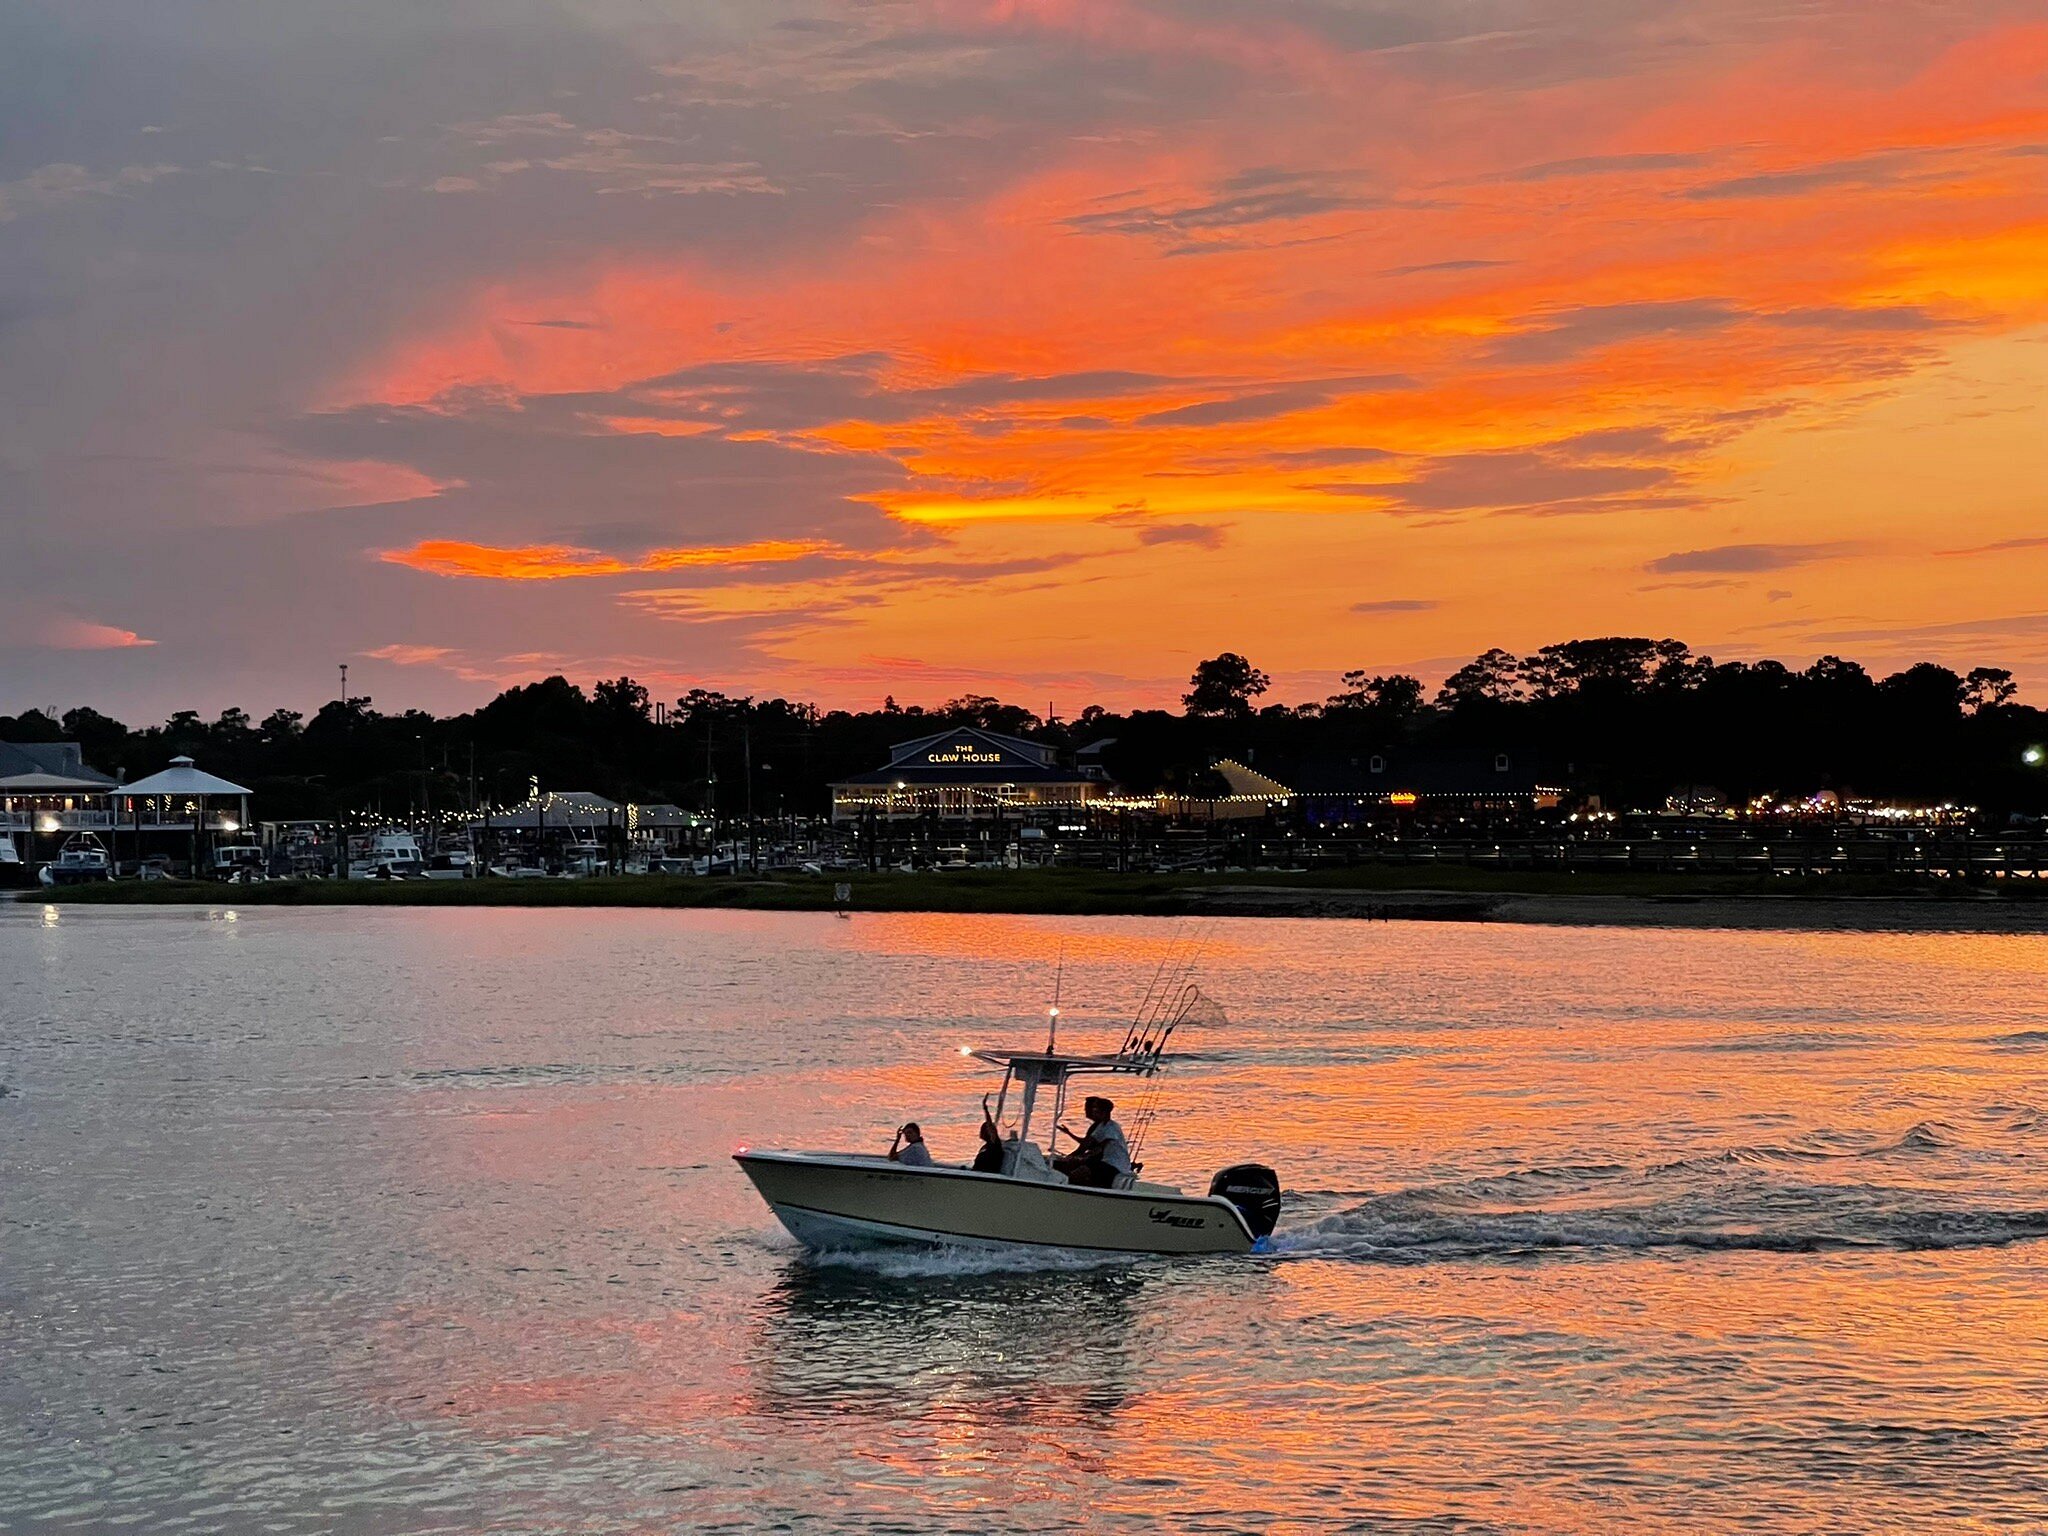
(2033, 757)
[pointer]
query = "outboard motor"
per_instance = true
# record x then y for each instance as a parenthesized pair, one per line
(1255, 1190)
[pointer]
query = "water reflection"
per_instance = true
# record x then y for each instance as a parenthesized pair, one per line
(383, 1221)
(898, 1337)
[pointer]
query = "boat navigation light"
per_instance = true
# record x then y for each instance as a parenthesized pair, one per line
(966, 1050)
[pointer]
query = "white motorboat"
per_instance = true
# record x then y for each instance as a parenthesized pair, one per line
(393, 854)
(12, 870)
(834, 1200)
(451, 862)
(241, 863)
(82, 860)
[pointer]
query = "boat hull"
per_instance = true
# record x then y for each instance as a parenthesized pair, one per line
(839, 1201)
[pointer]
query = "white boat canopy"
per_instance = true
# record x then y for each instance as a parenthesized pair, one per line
(181, 778)
(1056, 1066)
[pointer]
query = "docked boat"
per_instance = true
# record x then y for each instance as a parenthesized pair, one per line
(82, 860)
(240, 863)
(834, 1200)
(452, 859)
(393, 854)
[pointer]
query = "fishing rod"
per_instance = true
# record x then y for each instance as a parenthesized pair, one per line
(1145, 1003)
(1168, 989)
(1193, 1006)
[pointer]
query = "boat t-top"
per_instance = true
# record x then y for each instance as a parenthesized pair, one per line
(836, 1200)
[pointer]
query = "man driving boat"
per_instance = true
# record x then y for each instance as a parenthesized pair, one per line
(1101, 1156)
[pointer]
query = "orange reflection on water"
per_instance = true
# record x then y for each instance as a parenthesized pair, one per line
(1590, 1229)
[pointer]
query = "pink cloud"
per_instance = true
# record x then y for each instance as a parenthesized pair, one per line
(83, 635)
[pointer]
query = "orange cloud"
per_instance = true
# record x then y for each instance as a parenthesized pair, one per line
(1373, 343)
(411, 655)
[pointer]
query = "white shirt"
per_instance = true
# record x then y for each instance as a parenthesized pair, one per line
(915, 1154)
(1108, 1139)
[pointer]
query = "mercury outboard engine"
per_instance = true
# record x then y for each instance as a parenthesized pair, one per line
(1255, 1190)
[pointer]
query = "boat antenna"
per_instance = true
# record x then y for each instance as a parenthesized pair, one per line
(1052, 1014)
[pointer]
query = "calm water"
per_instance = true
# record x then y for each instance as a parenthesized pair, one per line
(417, 1221)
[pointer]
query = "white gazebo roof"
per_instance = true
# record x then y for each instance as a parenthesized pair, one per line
(560, 809)
(181, 778)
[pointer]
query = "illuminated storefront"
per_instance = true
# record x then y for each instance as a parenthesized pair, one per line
(969, 774)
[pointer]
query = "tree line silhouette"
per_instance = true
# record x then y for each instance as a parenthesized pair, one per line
(1632, 720)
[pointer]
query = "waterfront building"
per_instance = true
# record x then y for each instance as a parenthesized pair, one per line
(1423, 783)
(185, 795)
(662, 825)
(555, 810)
(49, 794)
(47, 786)
(969, 774)
(1240, 793)
(1432, 782)
(578, 825)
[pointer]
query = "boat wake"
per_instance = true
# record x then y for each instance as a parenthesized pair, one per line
(1931, 1187)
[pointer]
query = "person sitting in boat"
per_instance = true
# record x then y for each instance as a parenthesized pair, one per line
(909, 1149)
(1101, 1156)
(989, 1159)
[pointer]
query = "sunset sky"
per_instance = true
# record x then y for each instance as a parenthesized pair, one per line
(1032, 347)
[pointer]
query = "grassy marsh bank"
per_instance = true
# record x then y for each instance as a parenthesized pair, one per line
(1390, 892)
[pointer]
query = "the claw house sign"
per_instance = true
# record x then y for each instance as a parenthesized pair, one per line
(967, 775)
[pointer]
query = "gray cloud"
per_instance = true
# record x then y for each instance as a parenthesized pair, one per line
(1861, 171)
(1265, 404)
(1206, 535)
(1601, 165)
(2000, 547)
(1572, 332)
(1397, 605)
(1468, 264)
(1746, 559)
(1241, 211)
(1567, 334)
(2014, 625)
(1520, 481)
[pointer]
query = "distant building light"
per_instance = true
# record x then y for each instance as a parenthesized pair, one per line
(1402, 797)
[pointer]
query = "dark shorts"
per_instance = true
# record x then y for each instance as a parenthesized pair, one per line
(1091, 1175)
